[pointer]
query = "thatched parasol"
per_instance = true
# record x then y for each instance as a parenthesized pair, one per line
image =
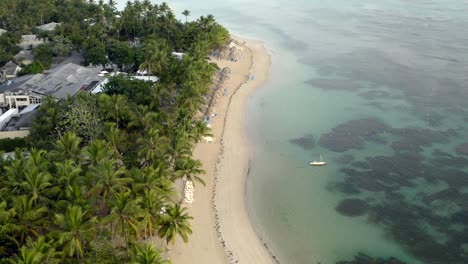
(226, 70)
(211, 111)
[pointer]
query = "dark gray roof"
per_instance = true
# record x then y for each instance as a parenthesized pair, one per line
(25, 120)
(15, 83)
(59, 82)
(63, 81)
(24, 54)
(9, 67)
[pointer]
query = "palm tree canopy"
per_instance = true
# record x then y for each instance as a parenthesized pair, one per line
(175, 222)
(147, 254)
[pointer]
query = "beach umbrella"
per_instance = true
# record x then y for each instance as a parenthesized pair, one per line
(226, 70)
(214, 102)
(210, 111)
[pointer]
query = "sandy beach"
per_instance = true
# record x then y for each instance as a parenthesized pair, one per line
(222, 232)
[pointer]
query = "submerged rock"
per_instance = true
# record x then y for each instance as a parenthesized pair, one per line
(362, 258)
(352, 207)
(374, 94)
(333, 84)
(306, 142)
(352, 134)
(462, 149)
(345, 159)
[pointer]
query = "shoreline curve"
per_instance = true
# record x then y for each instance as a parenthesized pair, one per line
(239, 252)
(222, 227)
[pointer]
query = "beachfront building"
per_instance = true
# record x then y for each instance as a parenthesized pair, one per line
(60, 82)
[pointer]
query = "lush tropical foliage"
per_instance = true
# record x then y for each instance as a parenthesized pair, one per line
(97, 179)
(106, 35)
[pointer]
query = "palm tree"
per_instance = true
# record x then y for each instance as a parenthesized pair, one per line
(186, 13)
(160, 94)
(67, 147)
(77, 195)
(152, 202)
(143, 117)
(28, 217)
(152, 178)
(115, 107)
(14, 173)
(189, 169)
(75, 230)
(68, 173)
(191, 102)
(200, 130)
(38, 184)
(180, 146)
(38, 249)
(153, 146)
(37, 160)
(27, 256)
(147, 254)
(96, 151)
(125, 214)
(116, 138)
(7, 228)
(154, 62)
(106, 178)
(175, 222)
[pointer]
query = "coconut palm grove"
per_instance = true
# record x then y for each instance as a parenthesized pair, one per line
(94, 180)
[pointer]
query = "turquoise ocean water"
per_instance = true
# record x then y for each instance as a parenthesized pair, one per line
(380, 89)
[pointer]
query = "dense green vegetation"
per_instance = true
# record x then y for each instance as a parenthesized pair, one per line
(10, 144)
(104, 34)
(98, 180)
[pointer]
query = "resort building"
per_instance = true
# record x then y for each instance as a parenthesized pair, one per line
(9, 71)
(30, 41)
(15, 123)
(48, 27)
(24, 57)
(98, 88)
(60, 82)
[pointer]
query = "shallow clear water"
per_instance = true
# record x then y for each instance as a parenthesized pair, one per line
(381, 91)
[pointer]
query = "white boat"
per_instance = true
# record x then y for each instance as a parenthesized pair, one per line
(318, 163)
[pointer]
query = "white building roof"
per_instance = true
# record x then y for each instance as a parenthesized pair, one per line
(146, 78)
(48, 27)
(179, 55)
(2, 31)
(28, 41)
(7, 116)
(100, 87)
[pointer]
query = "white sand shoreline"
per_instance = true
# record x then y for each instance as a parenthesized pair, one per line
(223, 232)
(240, 96)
